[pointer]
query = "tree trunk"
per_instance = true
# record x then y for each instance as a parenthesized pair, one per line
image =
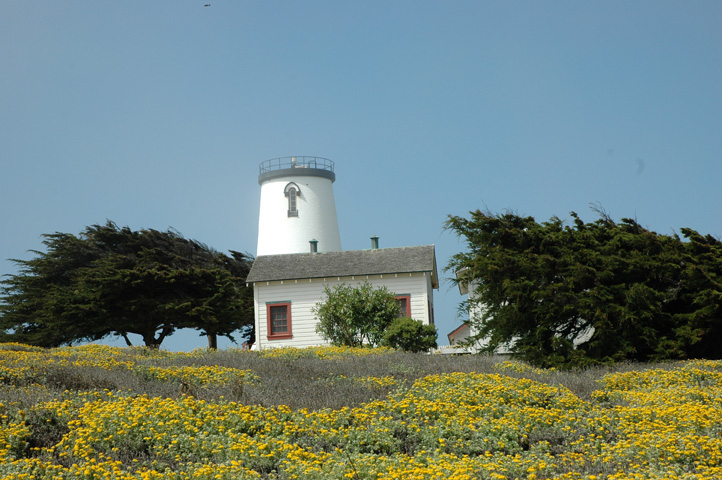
(213, 341)
(127, 340)
(151, 341)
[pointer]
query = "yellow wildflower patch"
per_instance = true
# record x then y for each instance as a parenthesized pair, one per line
(662, 423)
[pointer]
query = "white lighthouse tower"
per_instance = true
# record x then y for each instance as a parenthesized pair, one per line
(298, 210)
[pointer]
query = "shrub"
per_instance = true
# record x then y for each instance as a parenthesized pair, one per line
(355, 316)
(410, 335)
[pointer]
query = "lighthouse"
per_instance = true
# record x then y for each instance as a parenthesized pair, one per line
(298, 210)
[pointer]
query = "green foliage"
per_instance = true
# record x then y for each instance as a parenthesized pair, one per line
(355, 316)
(589, 293)
(410, 335)
(699, 294)
(115, 281)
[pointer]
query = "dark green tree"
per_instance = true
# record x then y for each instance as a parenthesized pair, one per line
(355, 316)
(115, 281)
(38, 302)
(588, 292)
(699, 294)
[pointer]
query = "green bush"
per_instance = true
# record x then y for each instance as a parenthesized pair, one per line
(410, 335)
(355, 316)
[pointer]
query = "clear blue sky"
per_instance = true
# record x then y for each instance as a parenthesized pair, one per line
(156, 114)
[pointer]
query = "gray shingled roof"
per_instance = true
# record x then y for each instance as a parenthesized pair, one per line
(380, 261)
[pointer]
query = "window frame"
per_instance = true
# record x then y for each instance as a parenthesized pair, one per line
(292, 202)
(292, 192)
(269, 322)
(406, 298)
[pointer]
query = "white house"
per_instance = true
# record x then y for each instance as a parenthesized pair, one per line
(299, 253)
(459, 335)
(286, 287)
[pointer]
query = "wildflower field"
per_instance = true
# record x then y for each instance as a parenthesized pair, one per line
(98, 412)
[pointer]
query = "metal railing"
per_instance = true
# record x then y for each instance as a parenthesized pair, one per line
(296, 162)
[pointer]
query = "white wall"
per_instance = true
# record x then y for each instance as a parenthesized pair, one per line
(278, 233)
(305, 294)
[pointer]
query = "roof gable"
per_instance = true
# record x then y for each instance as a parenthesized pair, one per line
(348, 263)
(464, 329)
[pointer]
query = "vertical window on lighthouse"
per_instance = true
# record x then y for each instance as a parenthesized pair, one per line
(291, 191)
(292, 210)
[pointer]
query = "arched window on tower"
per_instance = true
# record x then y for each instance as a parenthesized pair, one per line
(292, 192)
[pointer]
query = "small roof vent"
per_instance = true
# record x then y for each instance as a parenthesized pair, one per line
(374, 242)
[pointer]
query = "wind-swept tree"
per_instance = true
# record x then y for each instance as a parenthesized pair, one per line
(589, 292)
(115, 281)
(699, 295)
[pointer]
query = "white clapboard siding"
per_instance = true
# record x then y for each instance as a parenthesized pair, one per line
(303, 295)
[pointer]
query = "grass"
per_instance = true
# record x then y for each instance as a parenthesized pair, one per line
(132, 413)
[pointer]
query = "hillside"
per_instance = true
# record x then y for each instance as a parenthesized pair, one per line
(133, 413)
